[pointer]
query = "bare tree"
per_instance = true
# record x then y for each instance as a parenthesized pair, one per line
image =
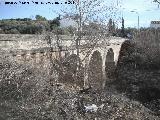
(91, 17)
(55, 67)
(157, 1)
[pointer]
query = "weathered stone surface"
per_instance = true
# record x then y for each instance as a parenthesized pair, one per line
(34, 50)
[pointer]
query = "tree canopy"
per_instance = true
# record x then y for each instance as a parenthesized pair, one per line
(39, 17)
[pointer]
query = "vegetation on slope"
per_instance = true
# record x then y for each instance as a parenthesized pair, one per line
(25, 93)
(138, 68)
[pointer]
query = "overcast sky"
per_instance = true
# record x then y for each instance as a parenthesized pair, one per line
(146, 9)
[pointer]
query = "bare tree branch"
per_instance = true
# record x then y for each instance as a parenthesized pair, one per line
(157, 1)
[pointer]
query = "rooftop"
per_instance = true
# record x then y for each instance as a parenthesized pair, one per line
(155, 22)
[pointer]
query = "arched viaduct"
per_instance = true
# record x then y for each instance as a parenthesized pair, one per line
(99, 62)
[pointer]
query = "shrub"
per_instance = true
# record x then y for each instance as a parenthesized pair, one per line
(21, 91)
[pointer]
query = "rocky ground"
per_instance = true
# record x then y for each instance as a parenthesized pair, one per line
(63, 103)
(142, 86)
(25, 94)
(70, 105)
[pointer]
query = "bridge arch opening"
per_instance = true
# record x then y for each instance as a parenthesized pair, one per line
(95, 70)
(69, 65)
(110, 64)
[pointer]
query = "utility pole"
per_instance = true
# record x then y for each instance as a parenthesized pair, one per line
(138, 17)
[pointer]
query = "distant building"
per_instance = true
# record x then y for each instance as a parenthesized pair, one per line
(66, 22)
(155, 24)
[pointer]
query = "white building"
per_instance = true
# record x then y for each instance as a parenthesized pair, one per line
(66, 22)
(155, 24)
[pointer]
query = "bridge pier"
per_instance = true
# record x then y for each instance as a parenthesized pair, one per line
(33, 58)
(86, 70)
(104, 77)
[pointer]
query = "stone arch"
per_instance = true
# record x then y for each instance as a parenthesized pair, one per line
(95, 70)
(70, 62)
(117, 50)
(126, 48)
(94, 50)
(109, 63)
(70, 70)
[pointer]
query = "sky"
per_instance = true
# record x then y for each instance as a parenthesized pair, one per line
(146, 10)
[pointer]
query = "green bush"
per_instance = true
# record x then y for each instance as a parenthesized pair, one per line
(23, 27)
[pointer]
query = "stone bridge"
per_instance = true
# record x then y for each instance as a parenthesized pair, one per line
(99, 61)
